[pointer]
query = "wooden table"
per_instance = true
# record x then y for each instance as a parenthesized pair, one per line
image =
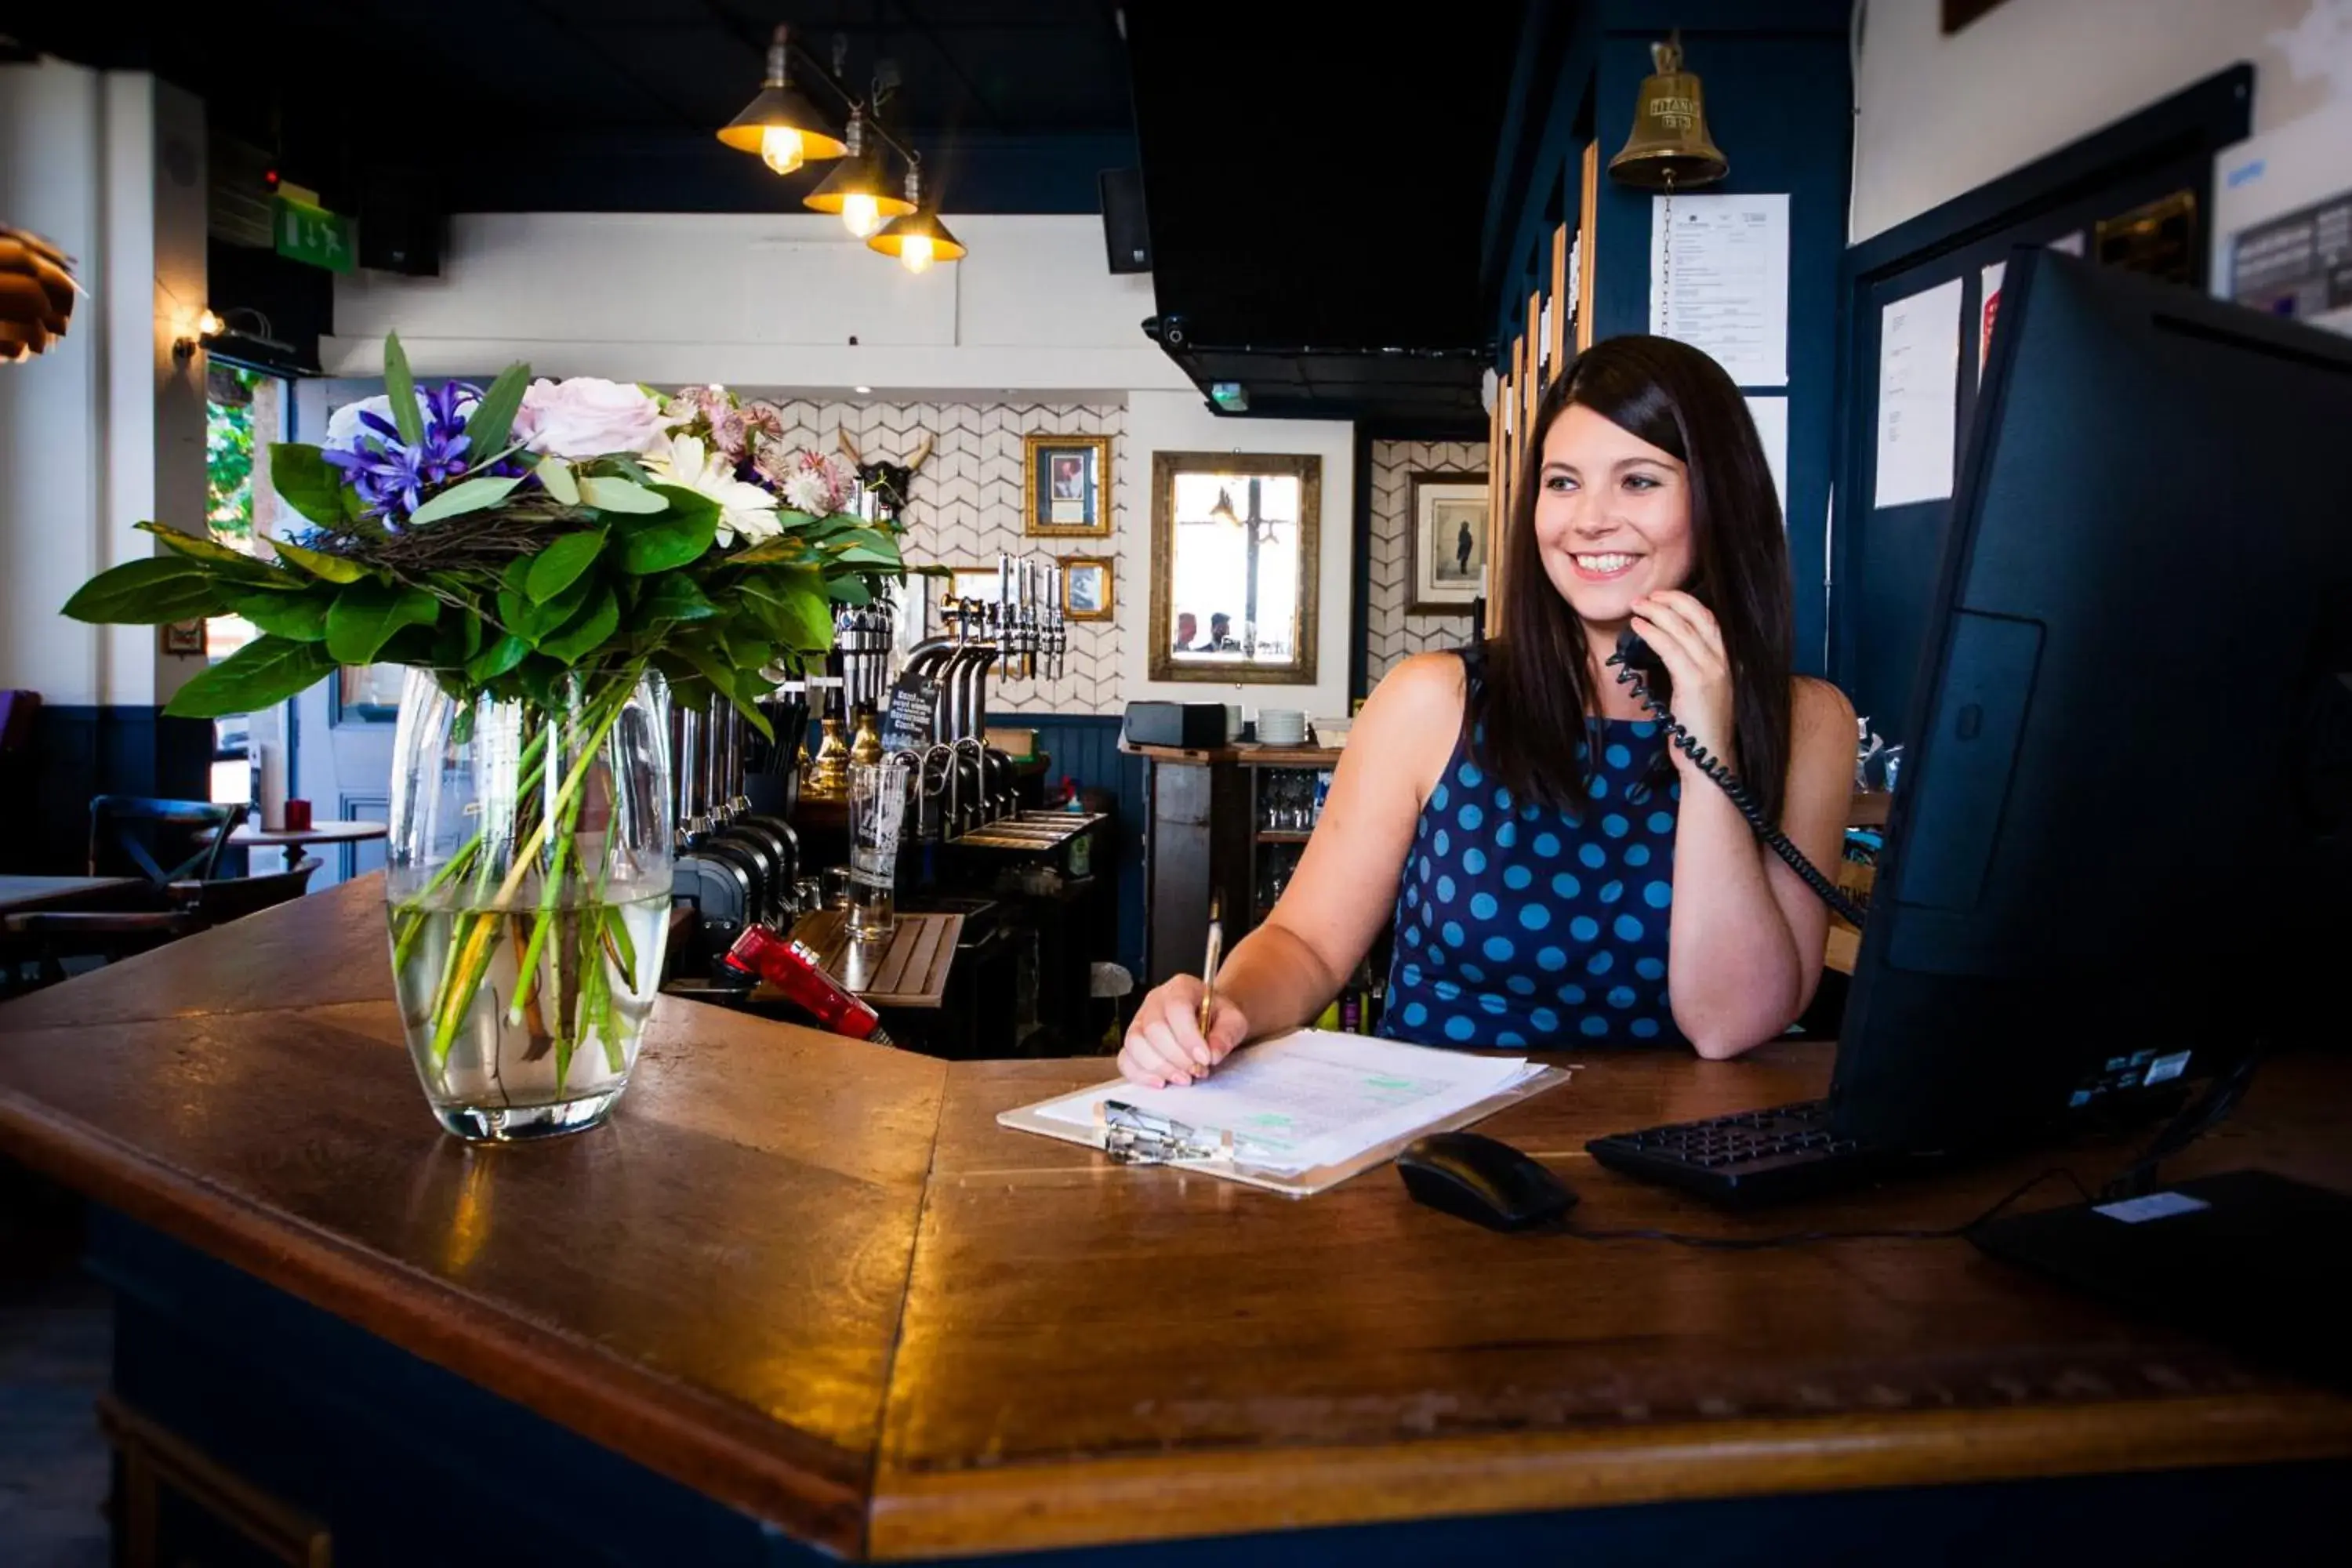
(291, 840)
(810, 1282)
(910, 970)
(20, 894)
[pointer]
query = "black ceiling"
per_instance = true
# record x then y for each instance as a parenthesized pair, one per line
(613, 105)
(1317, 185)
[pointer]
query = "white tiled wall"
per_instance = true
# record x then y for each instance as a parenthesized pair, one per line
(965, 507)
(1392, 635)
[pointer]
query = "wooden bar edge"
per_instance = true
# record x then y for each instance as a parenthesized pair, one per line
(736, 1456)
(919, 1515)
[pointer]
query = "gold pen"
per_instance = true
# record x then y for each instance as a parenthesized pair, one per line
(1208, 964)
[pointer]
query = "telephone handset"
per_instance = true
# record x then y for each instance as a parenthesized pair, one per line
(1637, 664)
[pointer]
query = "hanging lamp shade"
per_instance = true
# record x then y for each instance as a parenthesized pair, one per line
(37, 294)
(918, 239)
(782, 125)
(1669, 147)
(859, 190)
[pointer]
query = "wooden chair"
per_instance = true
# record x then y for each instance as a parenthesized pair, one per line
(122, 826)
(52, 938)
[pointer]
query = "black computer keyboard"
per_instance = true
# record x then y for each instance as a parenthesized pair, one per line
(1755, 1157)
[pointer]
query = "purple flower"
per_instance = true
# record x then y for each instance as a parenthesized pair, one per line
(390, 476)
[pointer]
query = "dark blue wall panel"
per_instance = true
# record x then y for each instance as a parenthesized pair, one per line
(1085, 748)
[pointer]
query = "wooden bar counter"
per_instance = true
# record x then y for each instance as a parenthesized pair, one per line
(804, 1292)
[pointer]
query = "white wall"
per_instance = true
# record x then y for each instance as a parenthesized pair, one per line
(765, 301)
(1179, 422)
(1936, 116)
(103, 430)
(1391, 636)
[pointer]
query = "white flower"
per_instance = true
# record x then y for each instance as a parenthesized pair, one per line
(746, 512)
(809, 490)
(588, 417)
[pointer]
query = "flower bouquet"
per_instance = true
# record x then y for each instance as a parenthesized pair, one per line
(554, 562)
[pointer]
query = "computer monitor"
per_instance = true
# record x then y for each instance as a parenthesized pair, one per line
(2118, 852)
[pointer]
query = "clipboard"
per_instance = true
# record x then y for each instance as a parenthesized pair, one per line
(1289, 1183)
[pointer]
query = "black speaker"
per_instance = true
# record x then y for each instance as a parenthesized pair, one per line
(1125, 236)
(400, 226)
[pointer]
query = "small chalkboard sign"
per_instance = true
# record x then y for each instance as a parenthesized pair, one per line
(906, 727)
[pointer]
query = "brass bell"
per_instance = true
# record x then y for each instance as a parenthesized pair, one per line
(1669, 148)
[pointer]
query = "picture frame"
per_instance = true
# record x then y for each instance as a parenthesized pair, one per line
(970, 583)
(1450, 524)
(184, 638)
(1065, 487)
(1089, 587)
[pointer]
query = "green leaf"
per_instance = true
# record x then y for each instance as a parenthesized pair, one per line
(783, 547)
(847, 591)
(555, 475)
(607, 494)
(151, 593)
(533, 622)
(793, 615)
(669, 543)
(673, 597)
(234, 563)
(300, 616)
(464, 496)
(264, 672)
(493, 416)
(496, 659)
(319, 564)
(562, 562)
(309, 484)
(584, 636)
(366, 615)
(400, 386)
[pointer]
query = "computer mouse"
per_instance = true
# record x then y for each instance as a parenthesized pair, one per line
(1475, 1177)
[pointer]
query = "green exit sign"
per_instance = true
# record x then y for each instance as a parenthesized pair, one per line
(315, 236)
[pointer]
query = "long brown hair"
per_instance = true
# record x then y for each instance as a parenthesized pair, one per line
(1528, 711)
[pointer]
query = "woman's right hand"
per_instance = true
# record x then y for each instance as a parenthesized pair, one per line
(1164, 1044)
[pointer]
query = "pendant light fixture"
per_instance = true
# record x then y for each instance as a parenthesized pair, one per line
(782, 125)
(858, 189)
(37, 294)
(918, 239)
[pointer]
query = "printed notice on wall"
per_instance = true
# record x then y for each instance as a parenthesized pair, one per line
(1988, 307)
(1719, 280)
(1771, 416)
(1918, 396)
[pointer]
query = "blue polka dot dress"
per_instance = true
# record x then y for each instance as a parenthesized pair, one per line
(1519, 927)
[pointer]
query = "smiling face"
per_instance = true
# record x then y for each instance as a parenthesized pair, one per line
(1612, 516)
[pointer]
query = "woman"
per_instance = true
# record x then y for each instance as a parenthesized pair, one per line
(1558, 874)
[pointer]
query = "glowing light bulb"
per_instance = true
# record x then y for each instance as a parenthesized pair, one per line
(861, 215)
(781, 148)
(915, 254)
(210, 326)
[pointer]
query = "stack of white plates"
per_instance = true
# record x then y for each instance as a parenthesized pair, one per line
(1282, 726)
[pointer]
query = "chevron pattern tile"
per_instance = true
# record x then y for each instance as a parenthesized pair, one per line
(965, 508)
(1391, 636)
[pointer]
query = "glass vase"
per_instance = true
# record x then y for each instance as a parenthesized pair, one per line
(528, 896)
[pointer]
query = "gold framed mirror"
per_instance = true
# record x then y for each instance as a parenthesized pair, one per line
(1235, 566)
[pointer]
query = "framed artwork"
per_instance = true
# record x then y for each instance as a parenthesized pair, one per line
(972, 582)
(184, 636)
(1086, 587)
(1449, 543)
(1065, 487)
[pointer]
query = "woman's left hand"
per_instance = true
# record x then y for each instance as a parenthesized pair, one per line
(1684, 635)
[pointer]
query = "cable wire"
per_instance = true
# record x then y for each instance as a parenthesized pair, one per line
(1715, 769)
(1800, 1237)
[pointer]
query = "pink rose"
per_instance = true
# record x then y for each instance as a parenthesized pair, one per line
(587, 417)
